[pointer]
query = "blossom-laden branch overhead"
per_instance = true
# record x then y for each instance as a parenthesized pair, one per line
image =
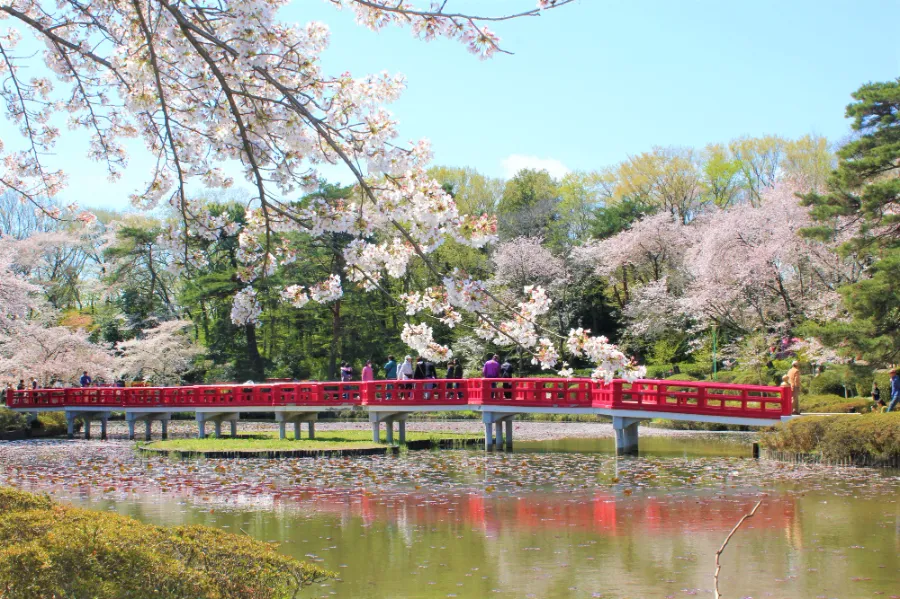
(203, 82)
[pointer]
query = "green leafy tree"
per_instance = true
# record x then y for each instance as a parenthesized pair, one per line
(530, 207)
(863, 197)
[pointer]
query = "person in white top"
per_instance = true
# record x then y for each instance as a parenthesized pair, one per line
(405, 371)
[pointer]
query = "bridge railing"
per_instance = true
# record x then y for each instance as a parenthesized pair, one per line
(701, 398)
(531, 393)
(445, 392)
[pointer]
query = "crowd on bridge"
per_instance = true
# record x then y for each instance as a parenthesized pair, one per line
(423, 368)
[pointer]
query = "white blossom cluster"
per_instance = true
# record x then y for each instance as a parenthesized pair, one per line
(610, 362)
(245, 308)
(420, 338)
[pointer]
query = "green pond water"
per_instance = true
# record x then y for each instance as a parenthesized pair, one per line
(561, 519)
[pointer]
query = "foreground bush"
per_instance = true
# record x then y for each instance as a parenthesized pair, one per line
(838, 438)
(51, 550)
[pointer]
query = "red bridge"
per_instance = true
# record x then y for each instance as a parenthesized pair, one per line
(499, 400)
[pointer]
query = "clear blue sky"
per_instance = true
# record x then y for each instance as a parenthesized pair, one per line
(597, 80)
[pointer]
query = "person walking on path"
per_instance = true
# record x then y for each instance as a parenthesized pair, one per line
(794, 381)
(367, 373)
(390, 368)
(85, 380)
(895, 390)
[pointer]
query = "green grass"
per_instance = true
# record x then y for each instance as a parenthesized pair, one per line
(325, 440)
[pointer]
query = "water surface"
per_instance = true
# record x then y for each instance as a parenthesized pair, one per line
(550, 523)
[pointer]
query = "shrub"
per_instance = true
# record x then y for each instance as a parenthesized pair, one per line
(11, 421)
(49, 550)
(680, 377)
(838, 437)
(833, 404)
(54, 423)
(830, 382)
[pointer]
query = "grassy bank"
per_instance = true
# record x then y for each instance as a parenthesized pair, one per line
(52, 550)
(325, 440)
(867, 438)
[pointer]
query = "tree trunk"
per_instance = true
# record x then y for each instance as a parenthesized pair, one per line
(335, 348)
(256, 365)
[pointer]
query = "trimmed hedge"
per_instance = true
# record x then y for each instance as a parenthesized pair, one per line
(51, 550)
(838, 438)
(834, 404)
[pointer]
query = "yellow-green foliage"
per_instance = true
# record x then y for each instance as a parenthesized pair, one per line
(838, 437)
(51, 550)
(833, 404)
(10, 421)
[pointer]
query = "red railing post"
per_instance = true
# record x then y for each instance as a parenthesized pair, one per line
(787, 401)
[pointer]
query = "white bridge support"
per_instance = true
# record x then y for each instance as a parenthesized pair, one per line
(132, 418)
(388, 418)
(86, 417)
(494, 425)
(626, 435)
(283, 418)
(217, 418)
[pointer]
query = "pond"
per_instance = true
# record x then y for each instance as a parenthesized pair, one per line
(561, 519)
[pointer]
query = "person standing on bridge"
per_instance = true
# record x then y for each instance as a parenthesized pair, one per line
(895, 390)
(34, 383)
(406, 371)
(367, 373)
(793, 377)
(390, 369)
(506, 372)
(85, 380)
(491, 368)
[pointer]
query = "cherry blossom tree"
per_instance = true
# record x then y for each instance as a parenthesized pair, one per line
(649, 251)
(750, 267)
(161, 354)
(30, 346)
(202, 82)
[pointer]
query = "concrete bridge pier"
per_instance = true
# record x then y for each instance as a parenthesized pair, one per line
(388, 418)
(217, 418)
(283, 418)
(132, 418)
(494, 424)
(86, 418)
(626, 435)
